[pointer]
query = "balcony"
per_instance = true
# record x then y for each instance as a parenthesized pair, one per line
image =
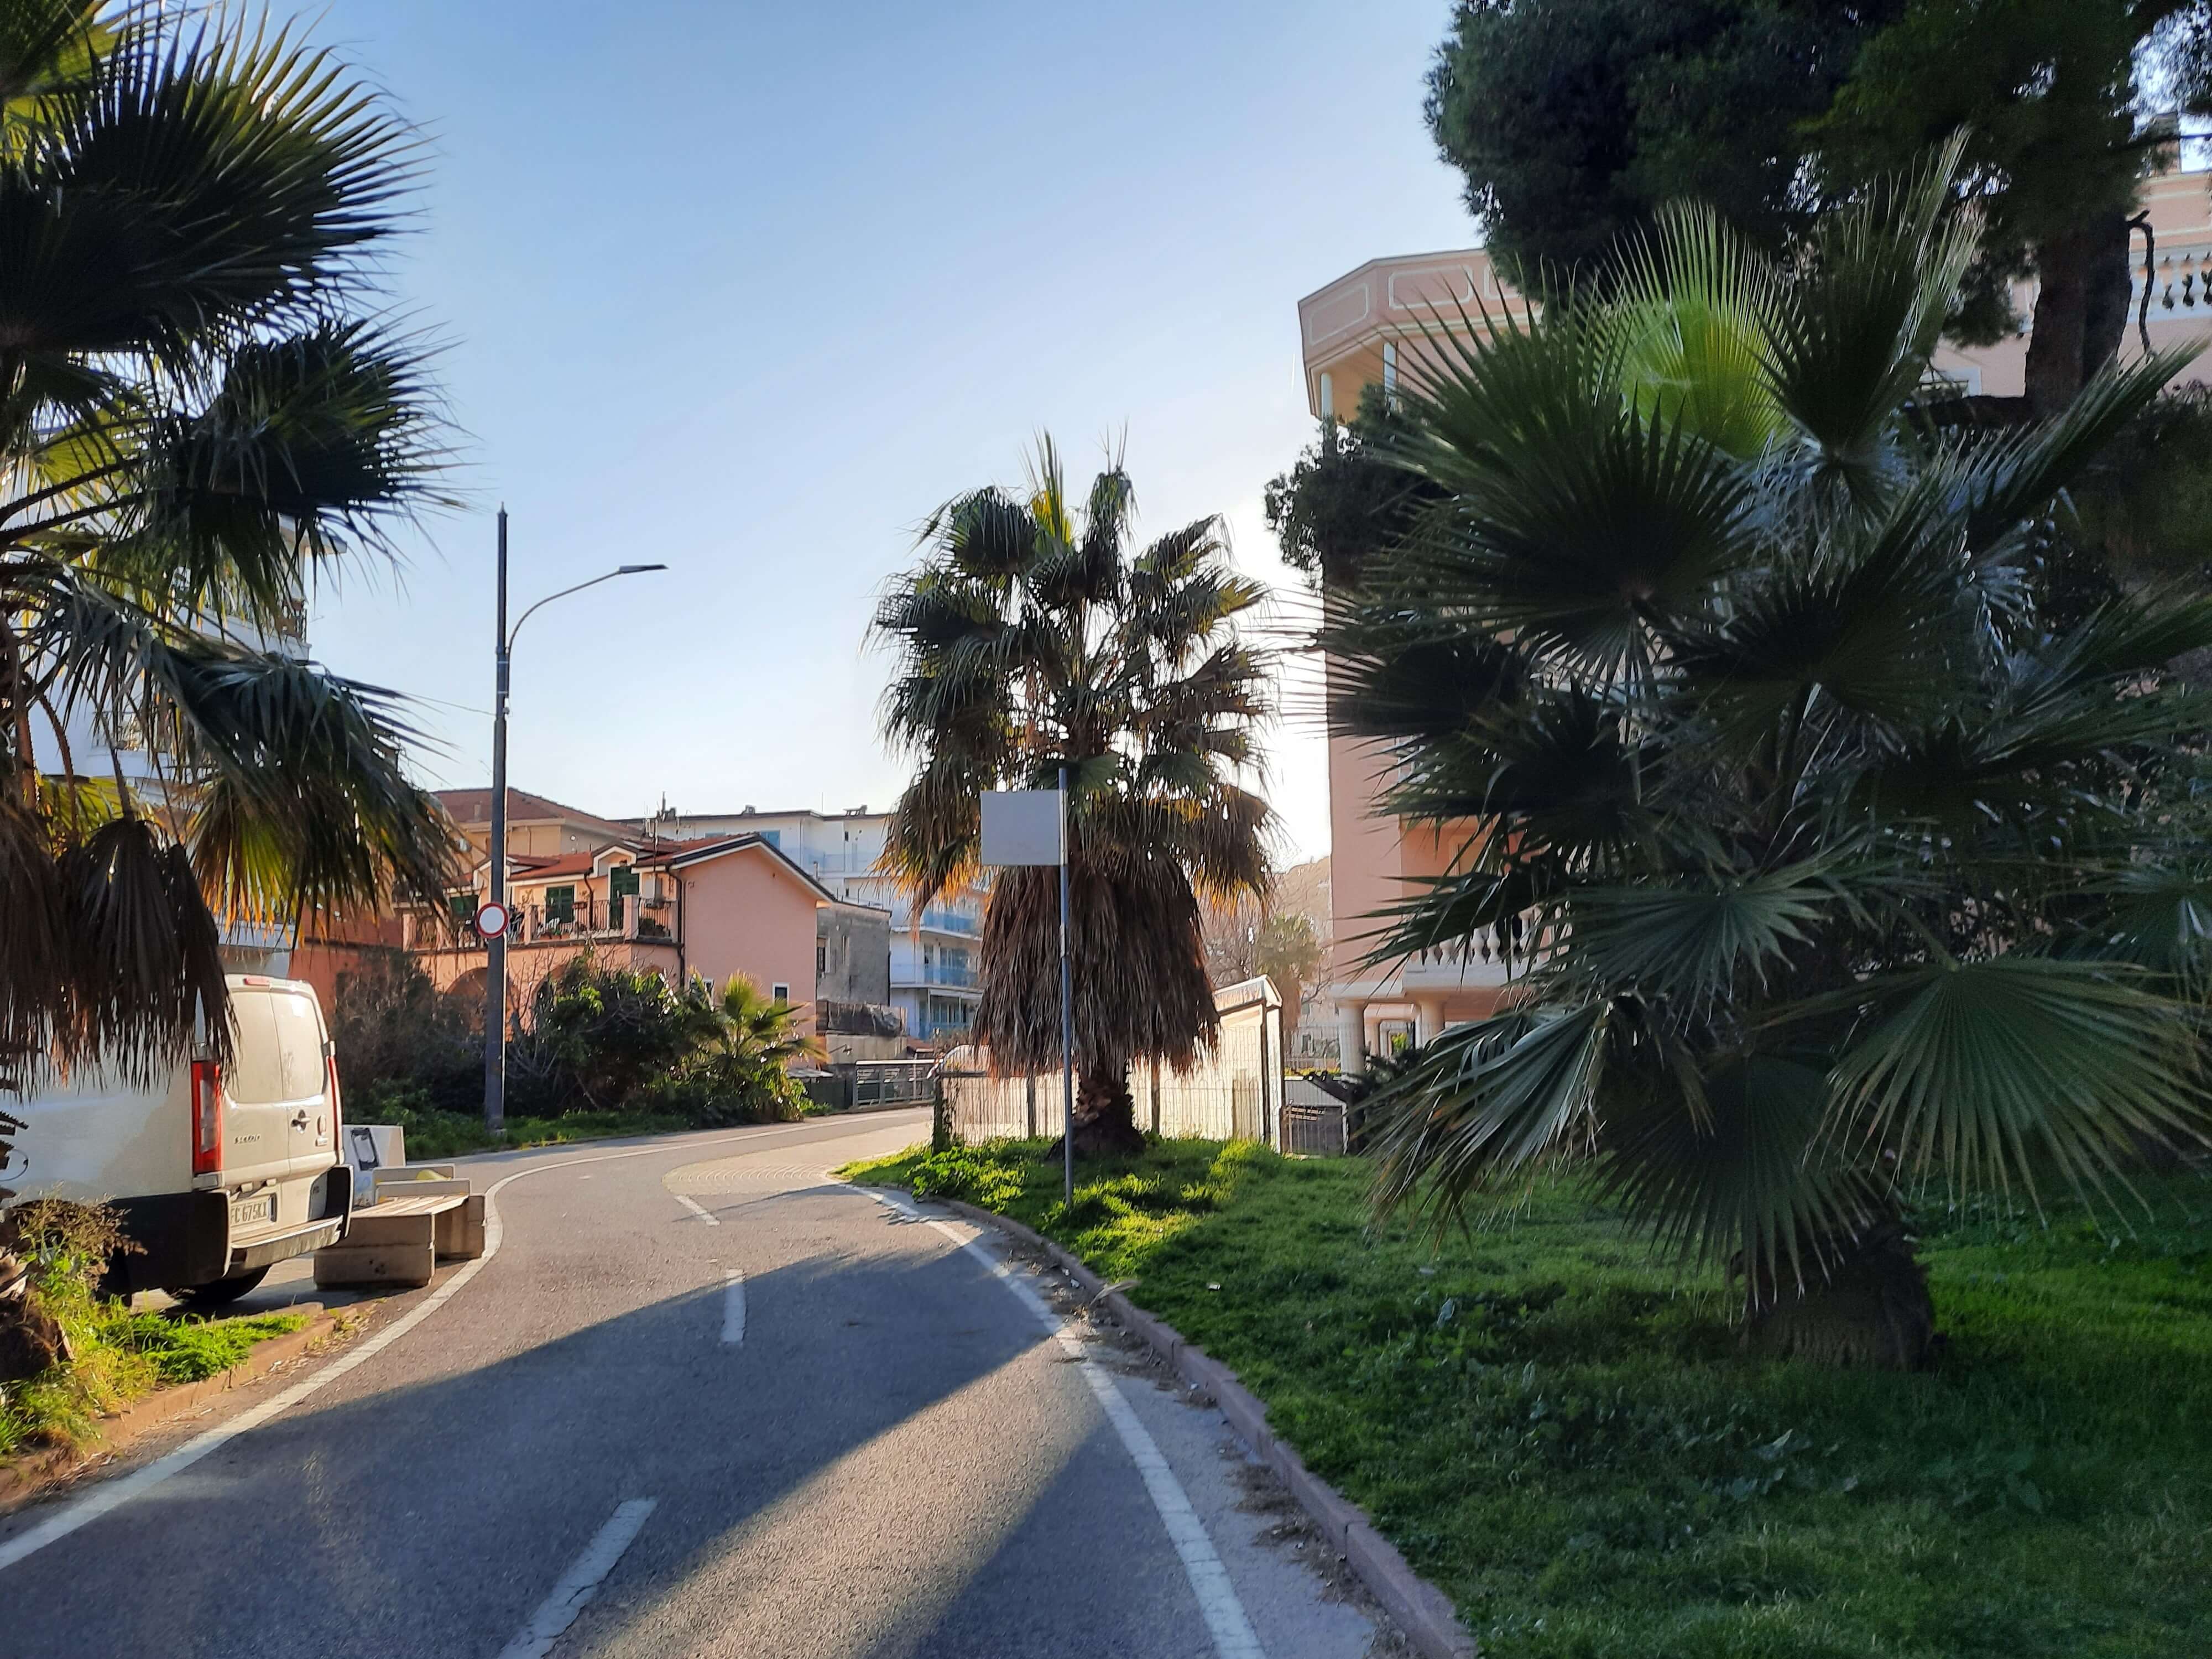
(1491, 959)
(959, 976)
(590, 920)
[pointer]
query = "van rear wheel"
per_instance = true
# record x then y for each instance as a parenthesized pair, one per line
(220, 1293)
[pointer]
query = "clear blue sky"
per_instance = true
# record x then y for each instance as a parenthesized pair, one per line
(749, 289)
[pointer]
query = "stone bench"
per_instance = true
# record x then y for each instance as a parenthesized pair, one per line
(398, 1240)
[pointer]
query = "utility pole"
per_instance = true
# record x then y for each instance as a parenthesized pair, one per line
(1067, 1021)
(496, 947)
(495, 943)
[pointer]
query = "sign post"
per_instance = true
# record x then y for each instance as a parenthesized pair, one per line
(1030, 827)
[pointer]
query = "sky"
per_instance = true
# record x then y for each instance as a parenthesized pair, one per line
(749, 289)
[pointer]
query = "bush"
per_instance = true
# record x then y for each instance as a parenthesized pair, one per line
(113, 1354)
(599, 1042)
(391, 1027)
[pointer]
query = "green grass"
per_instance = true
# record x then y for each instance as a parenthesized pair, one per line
(1566, 1435)
(433, 1135)
(120, 1356)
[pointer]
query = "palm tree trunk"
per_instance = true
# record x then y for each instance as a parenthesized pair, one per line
(1106, 1113)
(1870, 1309)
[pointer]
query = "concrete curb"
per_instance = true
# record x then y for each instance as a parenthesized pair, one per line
(32, 1475)
(1419, 1608)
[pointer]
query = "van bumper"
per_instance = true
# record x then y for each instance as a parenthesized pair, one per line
(264, 1252)
(184, 1238)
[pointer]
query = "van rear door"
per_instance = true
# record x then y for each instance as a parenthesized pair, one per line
(300, 1042)
(257, 1114)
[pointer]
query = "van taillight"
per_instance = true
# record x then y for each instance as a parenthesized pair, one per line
(207, 1117)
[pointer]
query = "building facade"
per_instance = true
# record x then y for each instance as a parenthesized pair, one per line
(932, 974)
(1372, 325)
(715, 906)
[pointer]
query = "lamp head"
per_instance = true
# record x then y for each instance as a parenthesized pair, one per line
(638, 569)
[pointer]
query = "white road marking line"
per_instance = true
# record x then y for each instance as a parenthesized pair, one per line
(1233, 1635)
(115, 1494)
(558, 1611)
(733, 1308)
(705, 1215)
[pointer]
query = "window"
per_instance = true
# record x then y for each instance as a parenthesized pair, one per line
(622, 881)
(561, 904)
(821, 960)
(464, 906)
(780, 993)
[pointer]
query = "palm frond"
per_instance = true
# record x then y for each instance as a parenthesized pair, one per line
(1486, 1102)
(1994, 1069)
(1745, 1178)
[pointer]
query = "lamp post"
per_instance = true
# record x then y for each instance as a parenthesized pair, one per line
(495, 947)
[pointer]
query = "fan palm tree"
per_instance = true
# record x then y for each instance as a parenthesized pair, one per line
(1826, 864)
(1034, 636)
(201, 414)
(747, 1048)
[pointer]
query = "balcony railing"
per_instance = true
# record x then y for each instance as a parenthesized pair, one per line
(590, 919)
(938, 973)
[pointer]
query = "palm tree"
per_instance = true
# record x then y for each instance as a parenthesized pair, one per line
(748, 1048)
(1828, 865)
(1033, 637)
(201, 416)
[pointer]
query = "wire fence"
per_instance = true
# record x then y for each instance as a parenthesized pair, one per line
(1234, 1093)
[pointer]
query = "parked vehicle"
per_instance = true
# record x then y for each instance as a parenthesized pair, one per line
(219, 1172)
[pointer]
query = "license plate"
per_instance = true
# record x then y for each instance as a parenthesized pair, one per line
(253, 1211)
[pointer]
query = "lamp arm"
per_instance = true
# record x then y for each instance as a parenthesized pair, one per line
(549, 599)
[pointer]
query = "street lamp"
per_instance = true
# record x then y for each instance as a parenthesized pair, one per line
(496, 945)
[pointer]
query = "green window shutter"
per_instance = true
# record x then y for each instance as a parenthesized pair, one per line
(622, 881)
(463, 906)
(561, 904)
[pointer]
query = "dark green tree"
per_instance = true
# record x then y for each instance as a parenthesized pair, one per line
(1576, 120)
(1342, 499)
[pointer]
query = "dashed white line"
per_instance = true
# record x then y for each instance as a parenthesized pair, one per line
(1218, 1602)
(699, 1210)
(581, 1582)
(733, 1308)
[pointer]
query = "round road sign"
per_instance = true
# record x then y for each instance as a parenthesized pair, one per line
(491, 919)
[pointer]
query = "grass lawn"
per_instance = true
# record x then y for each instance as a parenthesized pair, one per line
(434, 1135)
(1565, 1437)
(119, 1357)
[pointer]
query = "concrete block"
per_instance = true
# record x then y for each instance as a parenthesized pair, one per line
(461, 1230)
(377, 1265)
(423, 1186)
(408, 1229)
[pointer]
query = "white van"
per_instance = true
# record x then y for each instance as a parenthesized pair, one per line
(219, 1172)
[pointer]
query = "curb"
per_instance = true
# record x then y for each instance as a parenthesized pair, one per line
(31, 1476)
(1420, 1609)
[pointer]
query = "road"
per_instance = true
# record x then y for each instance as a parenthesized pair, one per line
(701, 1400)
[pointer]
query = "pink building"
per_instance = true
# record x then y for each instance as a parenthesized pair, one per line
(1370, 324)
(732, 904)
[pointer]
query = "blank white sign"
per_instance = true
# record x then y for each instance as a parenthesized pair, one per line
(1021, 826)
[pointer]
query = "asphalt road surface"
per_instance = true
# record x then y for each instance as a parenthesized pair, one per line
(699, 1399)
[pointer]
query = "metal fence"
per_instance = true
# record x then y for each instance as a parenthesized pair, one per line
(1314, 1123)
(1235, 1093)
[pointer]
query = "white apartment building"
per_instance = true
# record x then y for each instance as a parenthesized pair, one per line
(935, 979)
